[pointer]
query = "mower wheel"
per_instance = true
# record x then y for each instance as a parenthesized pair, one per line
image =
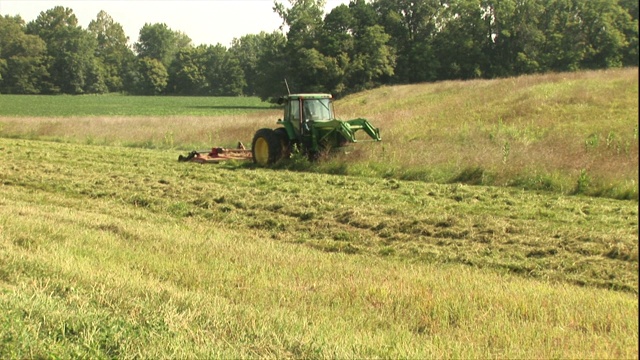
(266, 147)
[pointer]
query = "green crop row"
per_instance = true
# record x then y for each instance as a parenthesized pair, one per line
(121, 105)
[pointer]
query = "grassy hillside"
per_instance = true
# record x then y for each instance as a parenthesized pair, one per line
(111, 248)
(572, 133)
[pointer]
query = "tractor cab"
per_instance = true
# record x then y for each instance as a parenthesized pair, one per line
(302, 109)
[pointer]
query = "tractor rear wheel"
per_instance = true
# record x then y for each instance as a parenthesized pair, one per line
(266, 147)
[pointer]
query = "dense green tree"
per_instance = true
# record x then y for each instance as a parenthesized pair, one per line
(631, 6)
(304, 62)
(3, 69)
(246, 50)
(337, 32)
(412, 26)
(114, 54)
(603, 24)
(357, 46)
(564, 46)
(223, 72)
(187, 72)
(350, 33)
(206, 70)
(461, 43)
(317, 72)
(272, 67)
(516, 36)
(152, 77)
(304, 21)
(338, 44)
(631, 55)
(373, 61)
(158, 41)
(22, 58)
(364, 16)
(70, 51)
(6, 32)
(344, 50)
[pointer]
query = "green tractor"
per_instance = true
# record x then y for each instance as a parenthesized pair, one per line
(310, 126)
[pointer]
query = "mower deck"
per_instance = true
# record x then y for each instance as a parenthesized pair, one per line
(217, 155)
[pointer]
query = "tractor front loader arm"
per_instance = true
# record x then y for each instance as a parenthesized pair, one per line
(348, 129)
(363, 124)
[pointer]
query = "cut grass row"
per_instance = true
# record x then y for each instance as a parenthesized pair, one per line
(120, 252)
(586, 241)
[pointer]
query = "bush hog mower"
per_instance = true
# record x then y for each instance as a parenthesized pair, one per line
(216, 155)
(308, 126)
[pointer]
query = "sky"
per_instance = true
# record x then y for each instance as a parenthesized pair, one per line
(207, 22)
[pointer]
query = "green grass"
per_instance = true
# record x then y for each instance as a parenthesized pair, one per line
(487, 224)
(119, 105)
(122, 252)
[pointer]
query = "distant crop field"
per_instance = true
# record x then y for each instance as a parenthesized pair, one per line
(120, 105)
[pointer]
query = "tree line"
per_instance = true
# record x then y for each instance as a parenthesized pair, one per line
(354, 47)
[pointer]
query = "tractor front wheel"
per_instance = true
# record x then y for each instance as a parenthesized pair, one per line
(266, 147)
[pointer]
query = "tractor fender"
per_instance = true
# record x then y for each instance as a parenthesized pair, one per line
(291, 132)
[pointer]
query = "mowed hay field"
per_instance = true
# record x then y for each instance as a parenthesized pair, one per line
(438, 242)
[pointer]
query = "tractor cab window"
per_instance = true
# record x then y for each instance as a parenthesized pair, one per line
(295, 110)
(317, 109)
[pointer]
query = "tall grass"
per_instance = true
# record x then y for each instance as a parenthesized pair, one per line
(538, 132)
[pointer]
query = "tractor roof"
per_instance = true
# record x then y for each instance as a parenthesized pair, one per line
(309, 96)
(284, 98)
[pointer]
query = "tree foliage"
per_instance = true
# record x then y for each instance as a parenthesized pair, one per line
(187, 72)
(158, 41)
(70, 53)
(112, 50)
(223, 72)
(22, 58)
(246, 50)
(152, 77)
(354, 47)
